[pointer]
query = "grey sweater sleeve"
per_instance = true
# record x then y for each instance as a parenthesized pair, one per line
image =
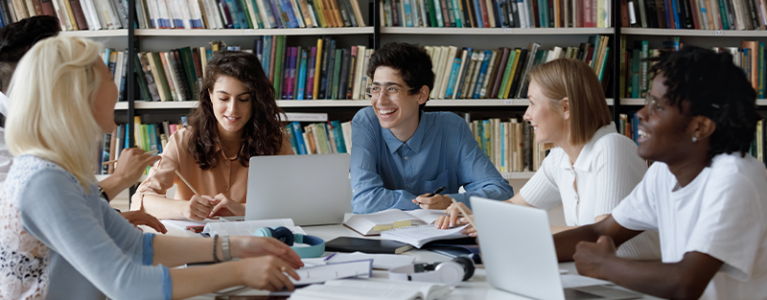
(93, 238)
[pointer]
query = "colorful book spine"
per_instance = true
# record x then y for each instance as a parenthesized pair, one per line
(311, 66)
(300, 143)
(302, 76)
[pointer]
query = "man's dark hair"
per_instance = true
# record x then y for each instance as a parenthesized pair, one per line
(412, 62)
(715, 88)
(17, 38)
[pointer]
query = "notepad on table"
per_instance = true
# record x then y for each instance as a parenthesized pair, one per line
(248, 227)
(422, 234)
(375, 223)
(372, 289)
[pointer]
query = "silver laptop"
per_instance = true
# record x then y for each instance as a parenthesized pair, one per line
(519, 256)
(310, 189)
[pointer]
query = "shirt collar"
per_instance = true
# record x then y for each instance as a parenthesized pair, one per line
(583, 162)
(414, 142)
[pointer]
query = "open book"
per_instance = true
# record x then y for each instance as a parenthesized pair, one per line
(248, 227)
(372, 289)
(422, 234)
(375, 223)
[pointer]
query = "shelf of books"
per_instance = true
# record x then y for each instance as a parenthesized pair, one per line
(96, 33)
(641, 102)
(254, 32)
(495, 31)
(693, 32)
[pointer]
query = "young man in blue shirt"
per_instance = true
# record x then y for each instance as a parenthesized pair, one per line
(403, 154)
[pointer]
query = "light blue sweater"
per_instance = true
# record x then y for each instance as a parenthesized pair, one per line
(94, 251)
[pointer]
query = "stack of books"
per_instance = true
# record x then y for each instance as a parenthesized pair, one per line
(320, 138)
(503, 73)
(72, 14)
(496, 14)
(247, 14)
(298, 73)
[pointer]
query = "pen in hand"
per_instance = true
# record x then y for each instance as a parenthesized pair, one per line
(439, 190)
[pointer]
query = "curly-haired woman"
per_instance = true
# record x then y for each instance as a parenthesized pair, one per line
(237, 118)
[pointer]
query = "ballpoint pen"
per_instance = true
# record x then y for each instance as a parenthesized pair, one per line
(330, 256)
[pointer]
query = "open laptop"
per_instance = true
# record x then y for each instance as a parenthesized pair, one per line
(310, 189)
(518, 252)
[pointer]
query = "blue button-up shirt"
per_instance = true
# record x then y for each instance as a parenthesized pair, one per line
(388, 173)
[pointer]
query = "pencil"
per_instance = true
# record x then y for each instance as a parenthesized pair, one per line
(187, 183)
(465, 215)
(153, 152)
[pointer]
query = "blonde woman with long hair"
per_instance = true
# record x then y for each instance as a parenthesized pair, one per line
(59, 240)
(593, 167)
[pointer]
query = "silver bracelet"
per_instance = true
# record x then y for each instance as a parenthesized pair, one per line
(225, 248)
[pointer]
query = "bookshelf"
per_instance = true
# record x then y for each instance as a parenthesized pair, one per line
(693, 32)
(496, 31)
(97, 33)
(253, 32)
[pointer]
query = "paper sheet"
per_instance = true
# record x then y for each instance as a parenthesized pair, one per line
(319, 274)
(380, 261)
(248, 227)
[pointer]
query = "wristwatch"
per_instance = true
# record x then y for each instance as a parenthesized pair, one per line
(225, 248)
(103, 194)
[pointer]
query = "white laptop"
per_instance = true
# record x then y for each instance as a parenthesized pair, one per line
(310, 189)
(519, 255)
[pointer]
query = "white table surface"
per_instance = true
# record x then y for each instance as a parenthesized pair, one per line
(475, 288)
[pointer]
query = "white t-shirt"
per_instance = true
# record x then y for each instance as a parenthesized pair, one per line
(607, 170)
(722, 213)
(6, 159)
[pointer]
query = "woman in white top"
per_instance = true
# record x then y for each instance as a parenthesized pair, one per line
(593, 167)
(704, 194)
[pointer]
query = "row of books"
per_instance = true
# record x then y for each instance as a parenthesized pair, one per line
(298, 73)
(320, 138)
(117, 61)
(695, 14)
(750, 56)
(72, 14)
(496, 13)
(510, 145)
(247, 14)
(502, 73)
(148, 137)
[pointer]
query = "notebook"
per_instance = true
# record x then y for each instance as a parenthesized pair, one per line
(372, 289)
(319, 274)
(352, 244)
(380, 261)
(248, 227)
(422, 234)
(375, 223)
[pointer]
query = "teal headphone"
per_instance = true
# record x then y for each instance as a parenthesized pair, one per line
(316, 245)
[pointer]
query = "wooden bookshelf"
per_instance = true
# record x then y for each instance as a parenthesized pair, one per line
(342, 103)
(253, 32)
(693, 32)
(96, 33)
(495, 31)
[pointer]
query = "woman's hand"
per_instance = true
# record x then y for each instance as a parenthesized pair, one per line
(453, 219)
(141, 218)
(225, 207)
(198, 208)
(132, 163)
(434, 202)
(251, 246)
(267, 273)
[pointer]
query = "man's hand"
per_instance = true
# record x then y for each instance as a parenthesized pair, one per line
(589, 257)
(225, 207)
(434, 202)
(141, 218)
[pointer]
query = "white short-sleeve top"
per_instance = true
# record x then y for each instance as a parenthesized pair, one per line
(606, 171)
(722, 213)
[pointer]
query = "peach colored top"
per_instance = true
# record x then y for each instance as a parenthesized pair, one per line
(229, 177)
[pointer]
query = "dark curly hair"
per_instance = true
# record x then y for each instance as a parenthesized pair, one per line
(17, 38)
(412, 61)
(715, 88)
(262, 133)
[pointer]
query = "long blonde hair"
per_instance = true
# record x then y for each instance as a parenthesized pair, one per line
(50, 114)
(575, 80)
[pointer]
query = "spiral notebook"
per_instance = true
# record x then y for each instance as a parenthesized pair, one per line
(422, 234)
